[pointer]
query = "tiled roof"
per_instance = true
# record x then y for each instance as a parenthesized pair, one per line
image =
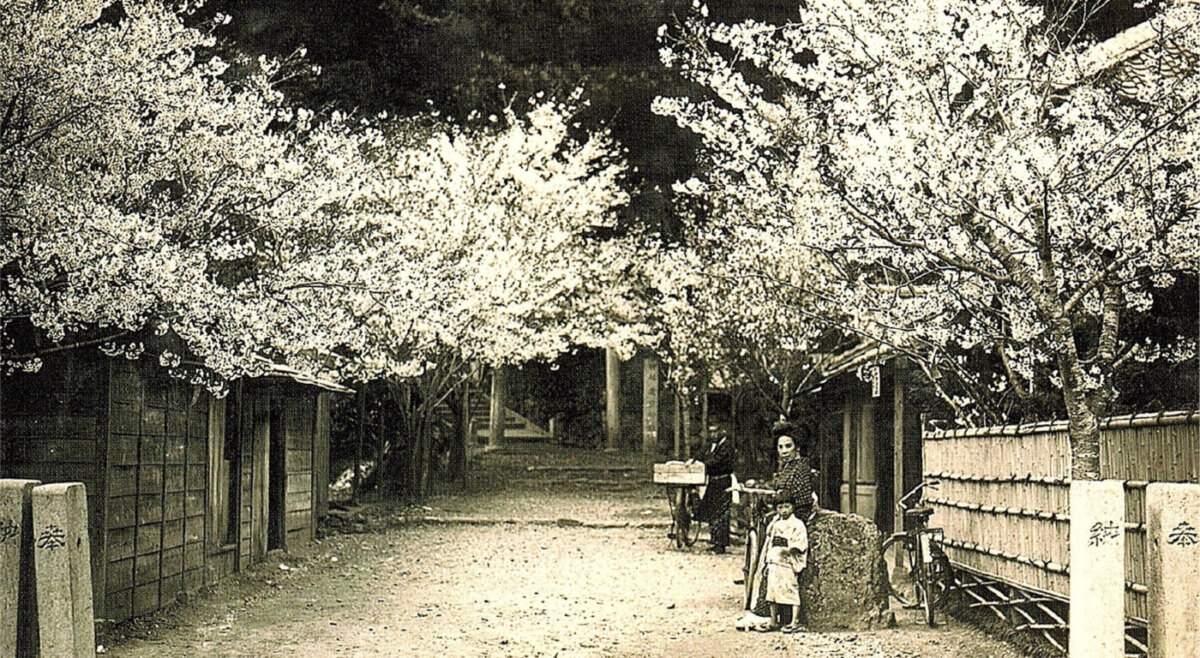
(1143, 56)
(280, 370)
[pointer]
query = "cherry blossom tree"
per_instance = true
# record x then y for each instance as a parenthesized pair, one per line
(466, 245)
(954, 175)
(149, 189)
(145, 189)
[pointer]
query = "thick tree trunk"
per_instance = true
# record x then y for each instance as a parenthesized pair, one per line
(1084, 426)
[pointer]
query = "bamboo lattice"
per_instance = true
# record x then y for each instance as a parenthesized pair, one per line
(1003, 502)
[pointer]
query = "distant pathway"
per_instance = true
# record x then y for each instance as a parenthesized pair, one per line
(515, 576)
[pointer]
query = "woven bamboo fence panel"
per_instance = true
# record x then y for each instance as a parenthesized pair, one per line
(1003, 502)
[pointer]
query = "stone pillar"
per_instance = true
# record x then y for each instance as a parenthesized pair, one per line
(62, 565)
(18, 602)
(1097, 586)
(498, 415)
(1173, 546)
(650, 404)
(612, 400)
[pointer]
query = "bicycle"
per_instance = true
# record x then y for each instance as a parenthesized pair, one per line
(682, 501)
(755, 530)
(682, 480)
(919, 573)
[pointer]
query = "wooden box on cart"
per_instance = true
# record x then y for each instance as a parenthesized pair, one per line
(679, 473)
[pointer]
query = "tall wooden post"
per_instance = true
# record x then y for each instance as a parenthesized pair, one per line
(358, 443)
(704, 411)
(612, 400)
(678, 426)
(850, 440)
(899, 376)
(497, 417)
(464, 433)
(686, 425)
(650, 404)
(381, 439)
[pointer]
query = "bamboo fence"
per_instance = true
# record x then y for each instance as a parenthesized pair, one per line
(1003, 501)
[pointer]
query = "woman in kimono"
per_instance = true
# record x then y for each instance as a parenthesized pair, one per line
(793, 478)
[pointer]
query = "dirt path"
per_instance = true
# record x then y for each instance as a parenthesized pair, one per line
(542, 586)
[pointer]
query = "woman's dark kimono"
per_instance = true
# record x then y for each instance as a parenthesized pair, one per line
(718, 461)
(795, 478)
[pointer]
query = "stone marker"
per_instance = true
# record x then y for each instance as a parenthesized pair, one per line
(62, 561)
(843, 586)
(1097, 569)
(18, 605)
(1173, 546)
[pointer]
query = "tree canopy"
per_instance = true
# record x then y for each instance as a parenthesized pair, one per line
(951, 175)
(151, 189)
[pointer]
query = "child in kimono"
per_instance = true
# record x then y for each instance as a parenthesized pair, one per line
(787, 555)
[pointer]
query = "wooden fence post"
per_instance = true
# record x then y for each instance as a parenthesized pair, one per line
(677, 425)
(1097, 584)
(360, 427)
(18, 598)
(497, 412)
(63, 568)
(1173, 542)
(612, 400)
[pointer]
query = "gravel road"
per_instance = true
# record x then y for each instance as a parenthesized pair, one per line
(511, 568)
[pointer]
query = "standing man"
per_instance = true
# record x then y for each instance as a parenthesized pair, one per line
(718, 458)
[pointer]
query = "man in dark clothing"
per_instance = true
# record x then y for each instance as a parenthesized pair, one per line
(718, 458)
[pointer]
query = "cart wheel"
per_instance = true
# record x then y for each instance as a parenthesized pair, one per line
(691, 529)
(681, 519)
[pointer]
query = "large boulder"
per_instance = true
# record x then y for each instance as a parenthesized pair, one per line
(844, 586)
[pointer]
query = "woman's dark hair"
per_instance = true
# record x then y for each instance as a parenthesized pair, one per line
(799, 432)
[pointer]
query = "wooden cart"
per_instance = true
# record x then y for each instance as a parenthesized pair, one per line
(682, 481)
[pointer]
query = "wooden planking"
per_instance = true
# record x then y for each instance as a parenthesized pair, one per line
(299, 462)
(298, 520)
(33, 450)
(299, 421)
(57, 425)
(260, 480)
(52, 427)
(321, 455)
(301, 426)
(148, 496)
(218, 468)
(145, 598)
(124, 429)
(122, 512)
(299, 482)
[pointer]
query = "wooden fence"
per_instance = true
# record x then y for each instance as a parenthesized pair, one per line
(1003, 502)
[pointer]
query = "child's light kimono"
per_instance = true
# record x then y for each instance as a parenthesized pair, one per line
(787, 555)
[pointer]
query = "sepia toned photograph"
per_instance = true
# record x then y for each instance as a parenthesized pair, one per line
(600, 328)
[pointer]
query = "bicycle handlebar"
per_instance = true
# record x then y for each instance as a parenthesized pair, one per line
(741, 488)
(931, 484)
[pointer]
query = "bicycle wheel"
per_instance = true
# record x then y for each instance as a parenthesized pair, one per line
(691, 530)
(941, 577)
(679, 519)
(750, 567)
(926, 593)
(899, 556)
